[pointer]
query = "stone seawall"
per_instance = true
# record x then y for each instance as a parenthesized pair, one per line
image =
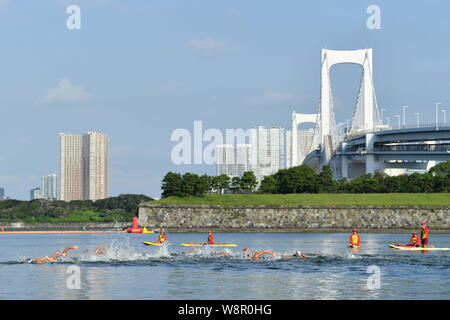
(223, 218)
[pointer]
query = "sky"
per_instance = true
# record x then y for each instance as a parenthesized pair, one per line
(138, 70)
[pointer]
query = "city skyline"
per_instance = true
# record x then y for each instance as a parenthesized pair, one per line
(229, 65)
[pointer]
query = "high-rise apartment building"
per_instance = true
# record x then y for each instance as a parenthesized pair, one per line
(233, 160)
(35, 193)
(2, 193)
(84, 166)
(267, 153)
(50, 187)
(306, 142)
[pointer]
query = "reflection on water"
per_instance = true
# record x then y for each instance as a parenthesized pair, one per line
(130, 270)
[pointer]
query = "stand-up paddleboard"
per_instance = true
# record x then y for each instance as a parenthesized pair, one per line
(156, 243)
(211, 245)
(409, 248)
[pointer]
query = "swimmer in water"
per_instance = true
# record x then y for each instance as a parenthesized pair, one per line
(298, 254)
(52, 258)
(257, 255)
(190, 252)
(100, 250)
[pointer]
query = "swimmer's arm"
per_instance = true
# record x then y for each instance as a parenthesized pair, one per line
(69, 248)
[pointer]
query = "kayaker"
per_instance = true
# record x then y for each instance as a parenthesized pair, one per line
(210, 238)
(424, 235)
(162, 236)
(415, 241)
(354, 239)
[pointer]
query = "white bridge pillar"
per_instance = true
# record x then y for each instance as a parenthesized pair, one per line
(362, 57)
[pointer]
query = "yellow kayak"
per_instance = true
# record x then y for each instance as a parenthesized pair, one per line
(156, 243)
(408, 248)
(211, 245)
(147, 231)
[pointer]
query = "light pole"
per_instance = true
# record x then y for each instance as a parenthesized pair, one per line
(388, 119)
(404, 117)
(437, 115)
(445, 118)
(417, 115)
(398, 118)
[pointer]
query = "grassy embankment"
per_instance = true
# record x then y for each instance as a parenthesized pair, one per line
(322, 199)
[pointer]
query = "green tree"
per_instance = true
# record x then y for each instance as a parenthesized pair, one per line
(202, 186)
(441, 168)
(269, 184)
(325, 180)
(171, 185)
(188, 184)
(248, 182)
(221, 183)
(235, 185)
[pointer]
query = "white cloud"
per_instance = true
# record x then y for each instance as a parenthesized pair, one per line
(207, 44)
(66, 93)
(271, 97)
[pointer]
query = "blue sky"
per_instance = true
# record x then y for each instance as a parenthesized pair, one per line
(137, 70)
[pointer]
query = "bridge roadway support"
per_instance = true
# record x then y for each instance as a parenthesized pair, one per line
(368, 162)
(370, 157)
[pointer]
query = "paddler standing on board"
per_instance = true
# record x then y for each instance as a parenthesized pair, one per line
(162, 236)
(424, 235)
(354, 239)
(210, 238)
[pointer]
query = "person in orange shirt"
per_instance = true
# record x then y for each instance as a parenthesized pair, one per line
(415, 241)
(354, 239)
(424, 235)
(210, 238)
(162, 236)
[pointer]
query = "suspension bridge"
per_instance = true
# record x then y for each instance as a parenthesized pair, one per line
(368, 145)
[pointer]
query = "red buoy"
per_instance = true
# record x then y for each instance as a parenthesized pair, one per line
(135, 228)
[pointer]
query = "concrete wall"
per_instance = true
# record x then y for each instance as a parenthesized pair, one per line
(198, 218)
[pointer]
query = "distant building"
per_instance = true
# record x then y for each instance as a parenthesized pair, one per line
(36, 194)
(50, 187)
(267, 152)
(2, 193)
(264, 155)
(305, 144)
(233, 160)
(84, 166)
